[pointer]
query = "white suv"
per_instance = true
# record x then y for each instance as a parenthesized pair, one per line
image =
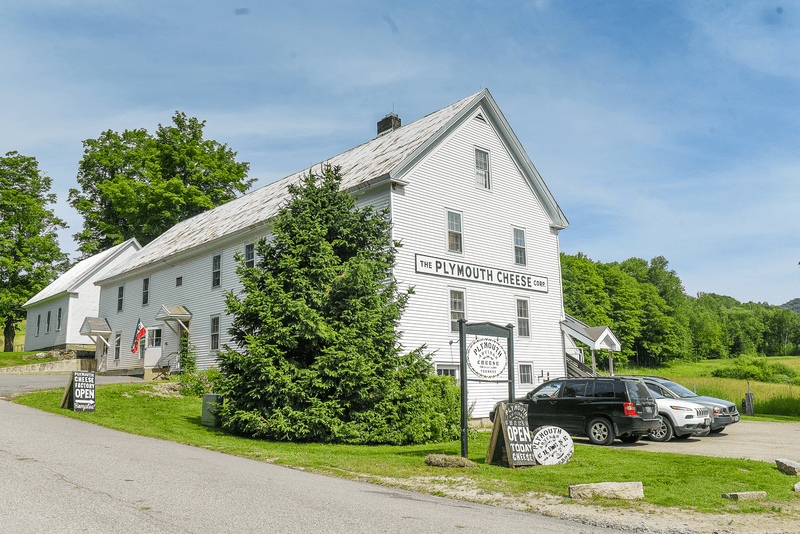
(679, 418)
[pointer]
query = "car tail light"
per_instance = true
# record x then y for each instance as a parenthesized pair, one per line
(630, 409)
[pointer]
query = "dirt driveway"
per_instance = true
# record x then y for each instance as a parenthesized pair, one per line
(753, 440)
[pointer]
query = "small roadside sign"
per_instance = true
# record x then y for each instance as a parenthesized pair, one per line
(79, 394)
(511, 443)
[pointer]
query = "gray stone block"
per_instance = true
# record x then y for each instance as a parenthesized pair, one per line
(610, 490)
(797, 487)
(746, 496)
(789, 467)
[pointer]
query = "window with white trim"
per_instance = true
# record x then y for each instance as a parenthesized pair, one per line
(526, 373)
(523, 318)
(47, 324)
(458, 308)
(117, 346)
(216, 270)
(482, 169)
(38, 323)
(153, 337)
(178, 281)
(447, 370)
(145, 292)
(58, 320)
(249, 255)
(215, 332)
(520, 256)
(455, 240)
(120, 296)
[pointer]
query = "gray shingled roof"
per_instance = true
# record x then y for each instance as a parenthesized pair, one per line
(94, 326)
(70, 280)
(373, 159)
(390, 155)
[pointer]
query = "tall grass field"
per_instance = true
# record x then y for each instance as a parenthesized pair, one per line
(770, 398)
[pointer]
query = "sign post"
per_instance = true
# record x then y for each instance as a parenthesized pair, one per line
(79, 394)
(487, 359)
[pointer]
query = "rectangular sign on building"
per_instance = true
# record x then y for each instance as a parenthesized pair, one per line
(479, 273)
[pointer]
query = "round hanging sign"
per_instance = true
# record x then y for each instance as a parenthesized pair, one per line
(486, 357)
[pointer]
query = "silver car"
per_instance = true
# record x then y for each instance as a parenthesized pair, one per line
(722, 412)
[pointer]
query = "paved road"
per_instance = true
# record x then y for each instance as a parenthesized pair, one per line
(62, 475)
(11, 385)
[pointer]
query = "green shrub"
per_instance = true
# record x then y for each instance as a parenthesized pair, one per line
(196, 383)
(758, 369)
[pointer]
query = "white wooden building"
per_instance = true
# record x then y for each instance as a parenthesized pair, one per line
(56, 313)
(479, 230)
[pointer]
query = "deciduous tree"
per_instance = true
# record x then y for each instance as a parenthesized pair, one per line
(30, 257)
(137, 185)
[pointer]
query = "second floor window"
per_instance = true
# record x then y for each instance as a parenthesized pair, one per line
(249, 255)
(216, 270)
(454, 236)
(145, 292)
(120, 295)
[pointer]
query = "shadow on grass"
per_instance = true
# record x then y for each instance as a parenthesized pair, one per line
(197, 421)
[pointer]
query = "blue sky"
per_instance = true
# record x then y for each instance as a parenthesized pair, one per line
(661, 128)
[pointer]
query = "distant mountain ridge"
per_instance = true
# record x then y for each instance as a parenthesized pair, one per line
(793, 305)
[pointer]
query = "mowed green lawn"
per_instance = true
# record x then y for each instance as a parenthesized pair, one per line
(690, 482)
(12, 359)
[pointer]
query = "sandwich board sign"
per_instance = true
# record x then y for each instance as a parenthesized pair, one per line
(511, 442)
(514, 445)
(79, 394)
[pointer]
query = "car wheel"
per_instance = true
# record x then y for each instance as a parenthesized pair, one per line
(630, 438)
(664, 432)
(600, 431)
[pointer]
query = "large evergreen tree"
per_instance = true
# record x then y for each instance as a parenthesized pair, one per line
(30, 257)
(317, 355)
(137, 185)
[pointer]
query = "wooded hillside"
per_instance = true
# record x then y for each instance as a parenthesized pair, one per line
(649, 311)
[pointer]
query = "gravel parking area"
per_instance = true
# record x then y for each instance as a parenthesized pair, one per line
(753, 440)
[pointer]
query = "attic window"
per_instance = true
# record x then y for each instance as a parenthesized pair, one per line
(482, 169)
(479, 117)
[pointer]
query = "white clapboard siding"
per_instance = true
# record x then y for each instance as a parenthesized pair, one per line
(446, 180)
(195, 293)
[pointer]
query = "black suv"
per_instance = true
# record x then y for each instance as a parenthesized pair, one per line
(601, 408)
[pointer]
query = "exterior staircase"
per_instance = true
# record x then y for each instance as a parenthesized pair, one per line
(577, 369)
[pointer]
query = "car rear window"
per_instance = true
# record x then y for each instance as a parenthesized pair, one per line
(637, 391)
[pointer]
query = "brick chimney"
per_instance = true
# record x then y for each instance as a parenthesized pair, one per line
(388, 124)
